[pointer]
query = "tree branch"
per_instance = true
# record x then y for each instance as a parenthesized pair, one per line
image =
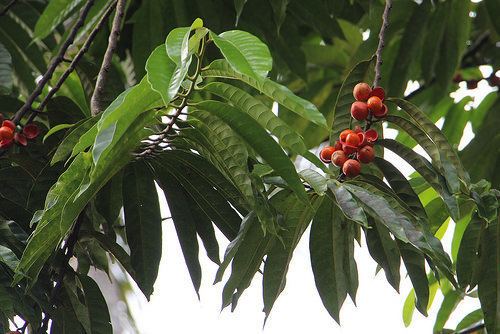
(96, 102)
(7, 7)
(381, 42)
(53, 65)
(74, 62)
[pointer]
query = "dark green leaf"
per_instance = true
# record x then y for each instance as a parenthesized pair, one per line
(348, 205)
(100, 321)
(142, 224)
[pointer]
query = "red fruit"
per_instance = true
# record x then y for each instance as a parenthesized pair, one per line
(337, 146)
(9, 124)
(472, 84)
(358, 129)
(20, 139)
(326, 154)
(6, 143)
(359, 110)
(343, 135)
(493, 80)
(338, 158)
(349, 149)
(366, 154)
(352, 139)
(362, 139)
(371, 136)
(374, 104)
(378, 92)
(382, 113)
(6, 133)
(457, 78)
(351, 168)
(31, 131)
(361, 91)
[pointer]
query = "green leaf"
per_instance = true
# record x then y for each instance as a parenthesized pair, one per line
(489, 276)
(433, 132)
(233, 246)
(56, 129)
(5, 70)
(384, 250)
(414, 263)
(185, 225)
(409, 308)
(238, 6)
(424, 168)
(433, 40)
(142, 224)
(470, 319)
(348, 205)
(213, 203)
(342, 109)
(150, 26)
(259, 140)
(401, 186)
(246, 262)
(451, 299)
(244, 52)
(261, 113)
(100, 321)
(296, 218)
(468, 253)
(331, 245)
(54, 223)
(54, 14)
(279, 11)
(163, 75)
(8, 257)
(277, 92)
(317, 181)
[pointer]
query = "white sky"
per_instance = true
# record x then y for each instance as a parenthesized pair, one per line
(174, 307)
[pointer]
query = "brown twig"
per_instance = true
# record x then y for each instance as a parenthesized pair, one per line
(7, 7)
(381, 42)
(96, 103)
(74, 62)
(378, 54)
(53, 65)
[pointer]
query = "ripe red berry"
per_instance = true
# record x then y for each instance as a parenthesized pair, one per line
(31, 131)
(6, 143)
(378, 92)
(326, 154)
(343, 135)
(371, 136)
(6, 133)
(358, 129)
(361, 91)
(337, 146)
(382, 113)
(8, 123)
(349, 149)
(352, 139)
(351, 168)
(362, 139)
(366, 154)
(359, 110)
(472, 84)
(339, 158)
(374, 104)
(20, 139)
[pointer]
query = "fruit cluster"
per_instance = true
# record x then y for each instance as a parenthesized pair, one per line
(353, 148)
(368, 102)
(10, 133)
(356, 146)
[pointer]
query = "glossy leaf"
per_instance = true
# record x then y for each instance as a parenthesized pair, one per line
(100, 321)
(348, 205)
(277, 92)
(142, 224)
(54, 14)
(258, 138)
(331, 244)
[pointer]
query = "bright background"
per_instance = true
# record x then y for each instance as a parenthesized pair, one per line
(175, 308)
